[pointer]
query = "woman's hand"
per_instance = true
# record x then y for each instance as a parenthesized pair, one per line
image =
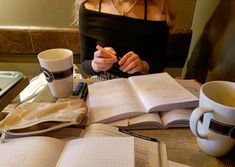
(131, 63)
(104, 58)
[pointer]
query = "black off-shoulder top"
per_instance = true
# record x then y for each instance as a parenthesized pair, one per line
(146, 38)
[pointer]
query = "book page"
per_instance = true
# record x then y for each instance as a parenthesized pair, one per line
(176, 117)
(98, 152)
(146, 152)
(112, 100)
(146, 121)
(30, 151)
(160, 92)
(191, 85)
(150, 154)
(120, 123)
(98, 129)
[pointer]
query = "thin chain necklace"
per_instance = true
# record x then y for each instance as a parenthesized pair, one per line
(123, 0)
(124, 13)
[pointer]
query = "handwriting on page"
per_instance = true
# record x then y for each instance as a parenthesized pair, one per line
(179, 115)
(142, 159)
(149, 154)
(155, 91)
(104, 101)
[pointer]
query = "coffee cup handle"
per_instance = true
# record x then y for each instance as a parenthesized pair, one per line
(195, 117)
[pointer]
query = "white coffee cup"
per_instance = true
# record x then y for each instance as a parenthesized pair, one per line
(57, 66)
(213, 122)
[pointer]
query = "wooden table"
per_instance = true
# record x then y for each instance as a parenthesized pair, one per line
(181, 143)
(182, 147)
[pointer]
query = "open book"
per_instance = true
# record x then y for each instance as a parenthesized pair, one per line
(167, 119)
(121, 98)
(97, 145)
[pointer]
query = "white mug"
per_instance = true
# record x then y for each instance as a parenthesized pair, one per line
(213, 122)
(57, 66)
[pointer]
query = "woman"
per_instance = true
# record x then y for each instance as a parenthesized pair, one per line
(120, 38)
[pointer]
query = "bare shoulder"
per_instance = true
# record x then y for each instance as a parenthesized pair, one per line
(163, 10)
(92, 4)
(155, 10)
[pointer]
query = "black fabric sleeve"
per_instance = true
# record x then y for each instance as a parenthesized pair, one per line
(87, 49)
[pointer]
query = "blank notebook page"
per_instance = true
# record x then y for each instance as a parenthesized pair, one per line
(98, 152)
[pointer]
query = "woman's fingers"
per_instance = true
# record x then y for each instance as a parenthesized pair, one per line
(106, 52)
(98, 65)
(111, 50)
(101, 58)
(104, 58)
(131, 63)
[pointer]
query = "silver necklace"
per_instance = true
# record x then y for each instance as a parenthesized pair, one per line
(124, 13)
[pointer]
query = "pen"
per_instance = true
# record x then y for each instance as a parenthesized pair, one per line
(83, 91)
(111, 54)
(78, 89)
(139, 136)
